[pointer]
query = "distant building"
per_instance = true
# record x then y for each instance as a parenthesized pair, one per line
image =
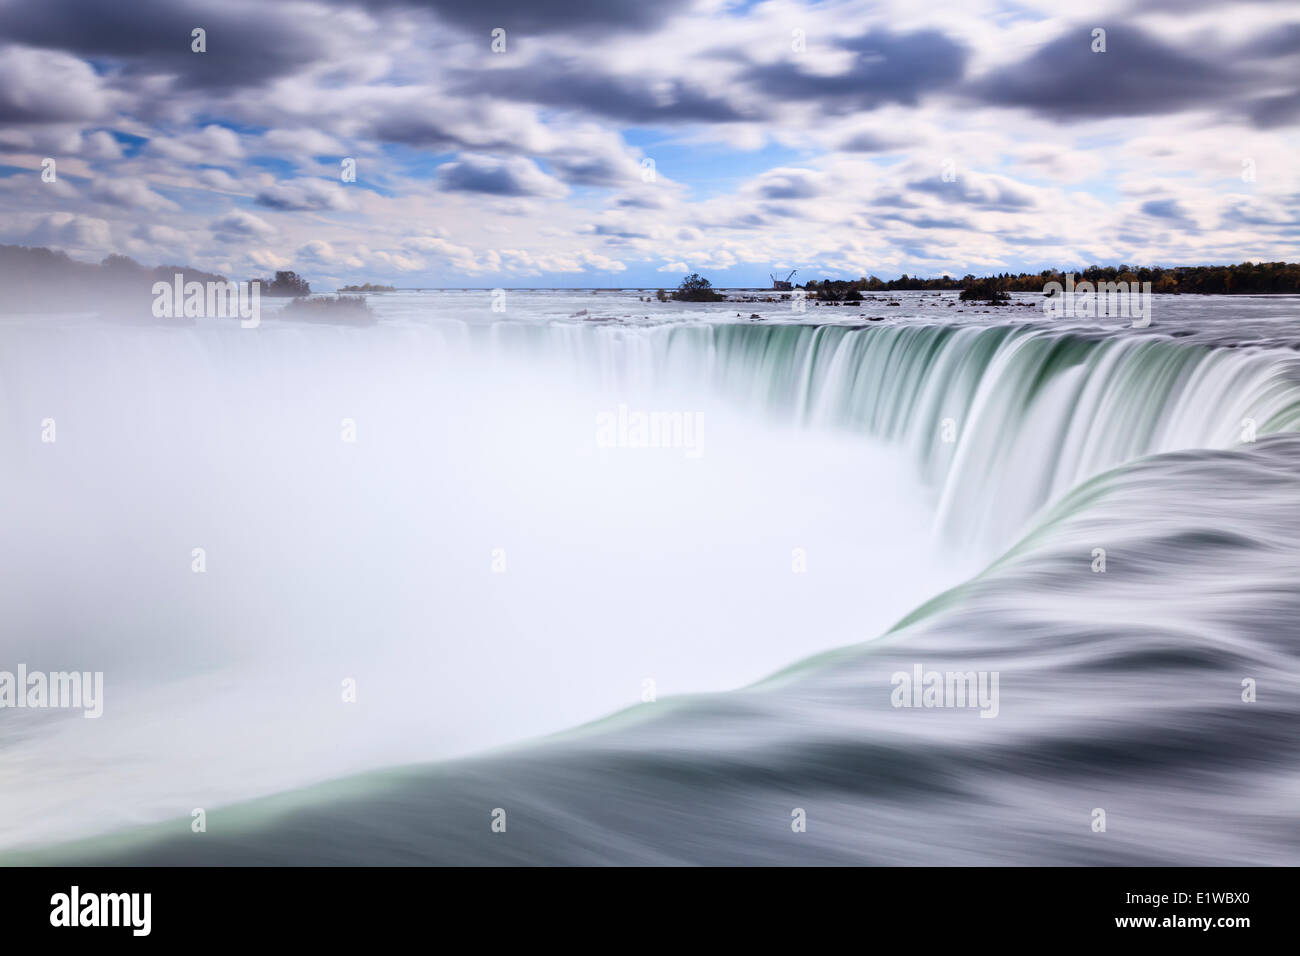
(783, 285)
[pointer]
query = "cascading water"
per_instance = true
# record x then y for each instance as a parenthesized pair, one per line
(1032, 411)
(807, 523)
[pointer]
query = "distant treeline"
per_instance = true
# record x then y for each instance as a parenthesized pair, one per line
(37, 279)
(1248, 277)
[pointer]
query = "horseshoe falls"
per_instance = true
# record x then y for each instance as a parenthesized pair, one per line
(661, 583)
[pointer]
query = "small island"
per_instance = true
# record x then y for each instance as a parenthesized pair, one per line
(696, 288)
(988, 291)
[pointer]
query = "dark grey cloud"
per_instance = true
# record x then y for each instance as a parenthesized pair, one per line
(304, 195)
(1273, 111)
(1164, 209)
(1280, 41)
(571, 84)
(496, 177)
(1171, 211)
(590, 170)
(246, 45)
(1283, 215)
(407, 127)
(887, 68)
(1137, 75)
(546, 16)
(869, 143)
(415, 124)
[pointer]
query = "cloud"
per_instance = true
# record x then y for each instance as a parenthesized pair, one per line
(248, 43)
(130, 194)
(1252, 212)
(211, 144)
(928, 222)
(1170, 210)
(220, 180)
(268, 259)
(641, 198)
(399, 262)
(523, 17)
(238, 225)
(160, 235)
(1274, 111)
(788, 183)
(101, 145)
(300, 142)
(976, 189)
(1137, 75)
(594, 169)
(42, 86)
(885, 67)
(512, 176)
(426, 117)
(830, 159)
(868, 141)
(571, 83)
(602, 263)
(304, 195)
(71, 231)
(458, 256)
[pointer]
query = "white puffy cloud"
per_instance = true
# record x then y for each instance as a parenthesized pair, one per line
(129, 193)
(535, 164)
(71, 231)
(48, 86)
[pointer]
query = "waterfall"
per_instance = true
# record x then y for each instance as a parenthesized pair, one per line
(845, 446)
(998, 420)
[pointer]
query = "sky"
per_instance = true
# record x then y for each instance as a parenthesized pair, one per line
(625, 143)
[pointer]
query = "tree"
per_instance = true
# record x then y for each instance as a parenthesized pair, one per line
(696, 288)
(985, 290)
(287, 284)
(119, 263)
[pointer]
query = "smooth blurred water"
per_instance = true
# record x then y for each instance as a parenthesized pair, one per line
(475, 432)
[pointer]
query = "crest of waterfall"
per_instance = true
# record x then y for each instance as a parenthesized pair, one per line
(999, 420)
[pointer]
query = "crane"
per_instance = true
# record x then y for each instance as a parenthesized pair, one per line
(783, 285)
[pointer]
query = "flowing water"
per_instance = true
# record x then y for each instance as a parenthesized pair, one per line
(436, 511)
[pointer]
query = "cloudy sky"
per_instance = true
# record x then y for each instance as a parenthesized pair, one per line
(627, 142)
